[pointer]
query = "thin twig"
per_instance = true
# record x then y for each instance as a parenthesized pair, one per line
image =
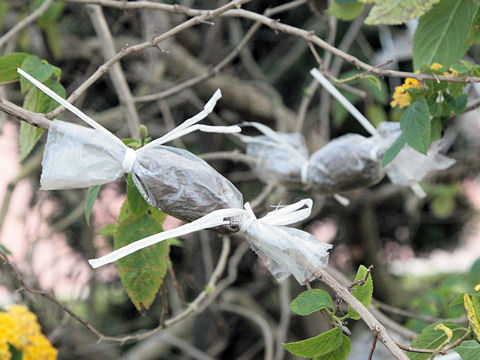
(25, 22)
(374, 343)
(206, 296)
(198, 19)
(116, 73)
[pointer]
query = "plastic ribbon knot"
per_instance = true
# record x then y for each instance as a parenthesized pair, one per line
(283, 216)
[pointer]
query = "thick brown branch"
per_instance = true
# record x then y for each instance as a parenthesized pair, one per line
(35, 119)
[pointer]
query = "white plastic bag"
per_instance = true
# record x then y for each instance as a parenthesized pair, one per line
(171, 179)
(284, 250)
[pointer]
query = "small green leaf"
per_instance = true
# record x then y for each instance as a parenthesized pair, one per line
(457, 104)
(311, 301)
(472, 307)
(442, 33)
(395, 12)
(457, 301)
(37, 68)
(346, 11)
(142, 272)
(363, 292)
(376, 114)
(317, 346)
(460, 68)
(393, 151)
(134, 144)
(432, 339)
(92, 194)
(374, 80)
(9, 64)
(468, 350)
(5, 250)
(340, 353)
(415, 125)
(29, 136)
(108, 230)
(137, 203)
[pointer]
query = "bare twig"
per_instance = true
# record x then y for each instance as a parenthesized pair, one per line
(25, 22)
(206, 296)
(261, 322)
(374, 325)
(443, 351)
(198, 19)
(374, 343)
(229, 155)
(116, 73)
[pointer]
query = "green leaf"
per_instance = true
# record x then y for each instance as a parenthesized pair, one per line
(29, 136)
(311, 301)
(137, 203)
(5, 250)
(457, 301)
(442, 33)
(317, 346)
(374, 80)
(36, 67)
(395, 12)
(108, 230)
(436, 131)
(347, 12)
(376, 114)
(15, 353)
(457, 104)
(363, 292)
(415, 125)
(92, 194)
(9, 64)
(340, 353)
(393, 151)
(474, 35)
(35, 100)
(431, 339)
(142, 272)
(468, 350)
(472, 307)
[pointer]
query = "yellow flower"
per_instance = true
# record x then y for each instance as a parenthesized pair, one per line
(19, 328)
(401, 97)
(436, 66)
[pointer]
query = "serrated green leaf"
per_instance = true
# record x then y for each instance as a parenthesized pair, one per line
(142, 272)
(345, 12)
(395, 12)
(468, 350)
(472, 307)
(92, 194)
(340, 353)
(317, 346)
(457, 104)
(108, 230)
(311, 301)
(415, 125)
(5, 250)
(441, 35)
(137, 203)
(393, 151)
(9, 64)
(37, 68)
(363, 292)
(431, 339)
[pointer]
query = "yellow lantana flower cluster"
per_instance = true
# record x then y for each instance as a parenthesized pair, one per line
(401, 97)
(19, 328)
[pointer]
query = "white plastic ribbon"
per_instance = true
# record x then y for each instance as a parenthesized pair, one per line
(185, 128)
(284, 250)
(284, 216)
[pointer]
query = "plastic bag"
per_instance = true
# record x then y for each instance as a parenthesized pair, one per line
(348, 162)
(170, 179)
(410, 166)
(285, 251)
